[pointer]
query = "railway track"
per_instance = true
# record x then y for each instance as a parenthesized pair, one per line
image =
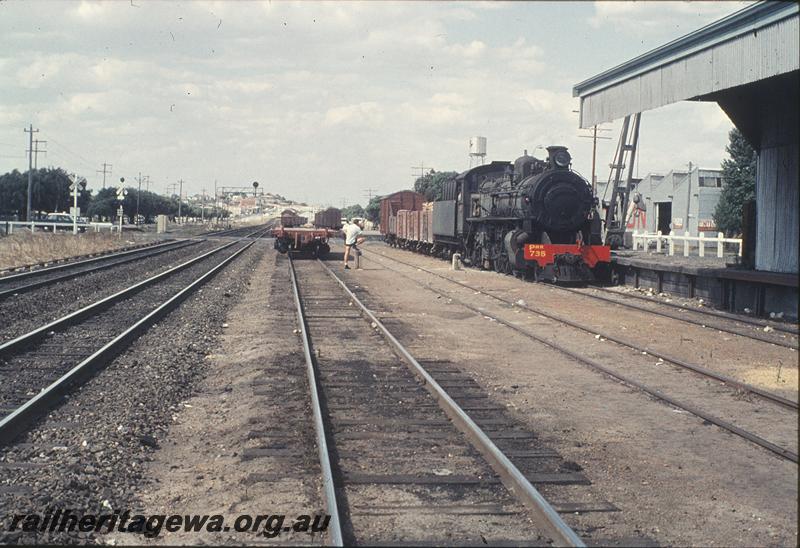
(710, 319)
(777, 400)
(420, 446)
(45, 364)
(782, 326)
(242, 231)
(16, 284)
(613, 337)
(707, 318)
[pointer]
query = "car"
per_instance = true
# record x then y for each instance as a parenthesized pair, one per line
(64, 222)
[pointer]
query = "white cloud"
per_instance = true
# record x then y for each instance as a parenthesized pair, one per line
(522, 57)
(640, 17)
(91, 10)
(474, 49)
(361, 114)
(277, 90)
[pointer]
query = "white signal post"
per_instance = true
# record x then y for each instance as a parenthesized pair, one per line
(74, 186)
(121, 192)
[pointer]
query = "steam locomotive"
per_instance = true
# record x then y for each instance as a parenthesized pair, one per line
(533, 218)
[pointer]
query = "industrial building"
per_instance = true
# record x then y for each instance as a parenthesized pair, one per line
(681, 200)
(748, 63)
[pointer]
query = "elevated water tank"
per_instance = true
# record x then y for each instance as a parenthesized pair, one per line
(477, 146)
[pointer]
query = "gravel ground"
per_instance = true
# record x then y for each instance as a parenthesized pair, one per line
(257, 452)
(675, 479)
(22, 313)
(89, 454)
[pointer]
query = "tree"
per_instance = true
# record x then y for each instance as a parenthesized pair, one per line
(13, 194)
(49, 192)
(373, 209)
(104, 204)
(431, 184)
(739, 183)
(354, 210)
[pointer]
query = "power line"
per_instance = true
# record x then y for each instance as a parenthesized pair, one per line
(368, 192)
(105, 171)
(36, 151)
(421, 168)
(89, 163)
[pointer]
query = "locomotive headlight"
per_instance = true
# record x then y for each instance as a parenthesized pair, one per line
(562, 158)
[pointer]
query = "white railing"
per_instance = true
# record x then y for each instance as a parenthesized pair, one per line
(50, 225)
(644, 238)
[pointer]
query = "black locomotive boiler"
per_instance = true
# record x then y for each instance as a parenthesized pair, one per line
(531, 217)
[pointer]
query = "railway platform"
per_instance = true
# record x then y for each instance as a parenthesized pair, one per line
(719, 282)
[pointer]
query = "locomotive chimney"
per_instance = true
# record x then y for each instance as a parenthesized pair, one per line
(558, 157)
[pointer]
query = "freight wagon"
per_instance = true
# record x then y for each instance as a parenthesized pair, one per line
(290, 218)
(330, 218)
(392, 204)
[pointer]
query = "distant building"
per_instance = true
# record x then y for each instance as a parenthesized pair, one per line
(678, 201)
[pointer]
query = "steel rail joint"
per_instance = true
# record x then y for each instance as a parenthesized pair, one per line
(335, 529)
(515, 481)
(14, 424)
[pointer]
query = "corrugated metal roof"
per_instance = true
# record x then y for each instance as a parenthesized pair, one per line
(757, 42)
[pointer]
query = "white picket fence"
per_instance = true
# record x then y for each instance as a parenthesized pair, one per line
(644, 239)
(49, 225)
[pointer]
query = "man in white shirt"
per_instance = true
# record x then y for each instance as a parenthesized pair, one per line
(351, 239)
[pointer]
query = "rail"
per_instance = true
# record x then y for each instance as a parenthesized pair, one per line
(594, 364)
(644, 238)
(511, 476)
(15, 423)
(329, 488)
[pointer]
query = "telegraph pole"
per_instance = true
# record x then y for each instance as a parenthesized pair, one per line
(31, 131)
(421, 168)
(594, 139)
(36, 152)
(105, 171)
(368, 193)
(214, 211)
(203, 207)
(180, 199)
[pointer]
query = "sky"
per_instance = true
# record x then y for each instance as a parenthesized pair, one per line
(327, 102)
